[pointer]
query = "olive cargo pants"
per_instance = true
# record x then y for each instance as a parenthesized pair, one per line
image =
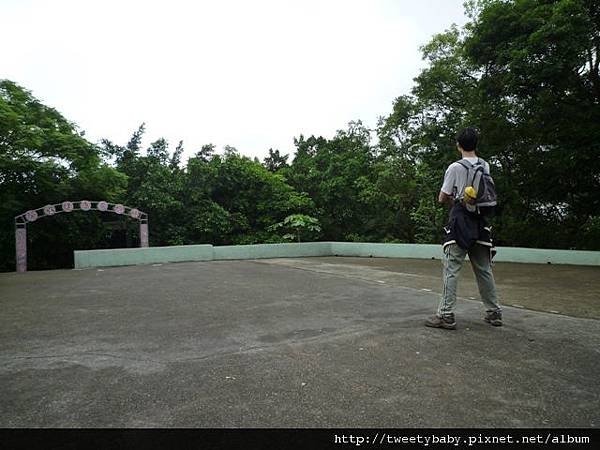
(481, 261)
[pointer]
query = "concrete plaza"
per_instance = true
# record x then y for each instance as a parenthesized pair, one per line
(302, 342)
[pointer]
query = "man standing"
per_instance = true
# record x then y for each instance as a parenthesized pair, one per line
(467, 233)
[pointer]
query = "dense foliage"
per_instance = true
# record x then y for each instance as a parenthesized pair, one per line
(525, 72)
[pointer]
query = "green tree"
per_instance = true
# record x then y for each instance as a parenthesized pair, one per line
(44, 159)
(335, 173)
(526, 73)
(298, 225)
(155, 185)
(254, 197)
(275, 161)
(540, 97)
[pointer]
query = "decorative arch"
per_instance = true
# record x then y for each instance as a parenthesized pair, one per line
(32, 215)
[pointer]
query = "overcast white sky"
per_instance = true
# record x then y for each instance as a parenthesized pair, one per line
(251, 74)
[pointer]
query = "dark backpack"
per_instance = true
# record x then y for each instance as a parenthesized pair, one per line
(483, 184)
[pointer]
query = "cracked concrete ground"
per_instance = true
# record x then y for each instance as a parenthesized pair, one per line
(311, 342)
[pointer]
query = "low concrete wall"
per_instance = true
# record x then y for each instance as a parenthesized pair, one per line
(147, 255)
(134, 256)
(504, 254)
(365, 249)
(545, 256)
(150, 255)
(258, 251)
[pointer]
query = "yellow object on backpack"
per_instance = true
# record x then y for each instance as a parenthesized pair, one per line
(470, 194)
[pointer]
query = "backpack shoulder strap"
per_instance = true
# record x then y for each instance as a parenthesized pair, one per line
(479, 164)
(460, 161)
(472, 168)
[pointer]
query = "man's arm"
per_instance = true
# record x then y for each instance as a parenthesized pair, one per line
(447, 186)
(445, 198)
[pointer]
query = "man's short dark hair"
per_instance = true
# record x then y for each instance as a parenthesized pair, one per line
(467, 139)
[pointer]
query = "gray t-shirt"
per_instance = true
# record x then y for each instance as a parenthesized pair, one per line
(455, 179)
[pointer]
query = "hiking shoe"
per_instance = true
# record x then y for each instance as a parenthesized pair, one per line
(494, 318)
(446, 322)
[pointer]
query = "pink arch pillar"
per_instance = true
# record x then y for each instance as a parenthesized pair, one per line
(21, 246)
(144, 234)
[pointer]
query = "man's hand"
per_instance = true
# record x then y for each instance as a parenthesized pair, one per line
(445, 198)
